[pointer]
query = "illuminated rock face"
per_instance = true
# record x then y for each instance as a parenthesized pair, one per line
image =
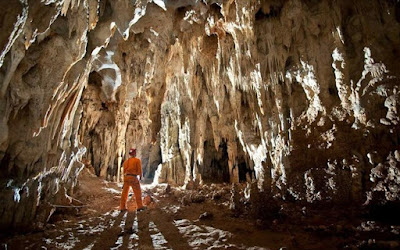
(300, 97)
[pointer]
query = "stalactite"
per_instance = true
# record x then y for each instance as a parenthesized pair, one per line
(271, 92)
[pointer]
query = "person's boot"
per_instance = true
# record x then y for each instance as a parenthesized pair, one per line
(141, 208)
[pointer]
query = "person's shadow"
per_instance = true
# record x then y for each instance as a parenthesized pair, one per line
(148, 229)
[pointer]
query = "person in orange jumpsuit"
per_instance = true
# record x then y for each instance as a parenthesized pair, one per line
(132, 170)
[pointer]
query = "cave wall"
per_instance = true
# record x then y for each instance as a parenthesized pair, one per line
(299, 96)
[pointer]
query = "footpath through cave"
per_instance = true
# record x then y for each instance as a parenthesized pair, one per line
(209, 216)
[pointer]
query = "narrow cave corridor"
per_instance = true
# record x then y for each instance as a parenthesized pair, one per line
(259, 124)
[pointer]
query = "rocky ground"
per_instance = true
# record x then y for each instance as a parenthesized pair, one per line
(199, 218)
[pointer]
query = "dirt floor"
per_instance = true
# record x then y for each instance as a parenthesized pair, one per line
(200, 218)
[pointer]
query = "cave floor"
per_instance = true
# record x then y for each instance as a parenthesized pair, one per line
(196, 219)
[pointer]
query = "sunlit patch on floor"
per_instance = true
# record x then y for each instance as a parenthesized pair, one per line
(157, 237)
(70, 242)
(118, 243)
(90, 246)
(206, 237)
(171, 209)
(122, 224)
(112, 190)
(133, 241)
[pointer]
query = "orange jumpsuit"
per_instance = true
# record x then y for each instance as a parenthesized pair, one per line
(132, 170)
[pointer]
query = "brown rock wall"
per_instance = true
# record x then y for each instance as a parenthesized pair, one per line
(299, 96)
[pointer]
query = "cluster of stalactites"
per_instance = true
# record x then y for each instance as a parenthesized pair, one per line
(251, 77)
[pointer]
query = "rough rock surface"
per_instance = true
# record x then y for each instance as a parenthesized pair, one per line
(167, 223)
(298, 96)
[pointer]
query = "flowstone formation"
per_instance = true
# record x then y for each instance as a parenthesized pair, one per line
(299, 97)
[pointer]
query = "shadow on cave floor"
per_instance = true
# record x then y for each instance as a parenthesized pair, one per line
(201, 218)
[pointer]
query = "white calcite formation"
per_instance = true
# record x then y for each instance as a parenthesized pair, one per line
(299, 97)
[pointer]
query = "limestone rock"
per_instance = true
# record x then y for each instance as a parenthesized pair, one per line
(299, 97)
